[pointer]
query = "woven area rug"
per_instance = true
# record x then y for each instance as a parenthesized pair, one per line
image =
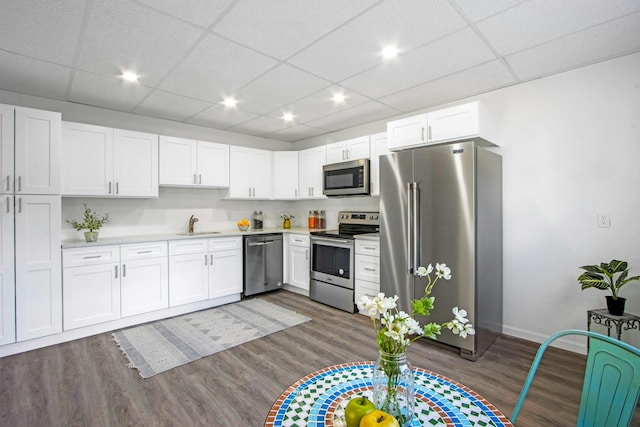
(165, 344)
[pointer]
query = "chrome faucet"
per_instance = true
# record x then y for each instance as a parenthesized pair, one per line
(192, 221)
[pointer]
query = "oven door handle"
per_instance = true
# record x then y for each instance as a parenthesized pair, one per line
(330, 240)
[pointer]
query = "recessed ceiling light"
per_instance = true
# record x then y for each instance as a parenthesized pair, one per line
(129, 76)
(288, 117)
(230, 101)
(389, 52)
(339, 98)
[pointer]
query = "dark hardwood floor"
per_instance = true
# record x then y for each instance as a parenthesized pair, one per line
(86, 382)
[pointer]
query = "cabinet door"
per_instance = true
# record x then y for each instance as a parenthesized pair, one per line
(336, 152)
(407, 132)
(6, 148)
(454, 123)
(310, 165)
(240, 172)
(213, 164)
(7, 279)
(367, 268)
(188, 278)
(178, 161)
(91, 295)
(145, 285)
(285, 175)
(135, 163)
(225, 273)
(87, 160)
(299, 266)
(378, 148)
(358, 148)
(38, 266)
(262, 176)
(37, 151)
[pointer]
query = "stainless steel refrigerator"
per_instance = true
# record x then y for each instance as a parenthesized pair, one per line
(443, 204)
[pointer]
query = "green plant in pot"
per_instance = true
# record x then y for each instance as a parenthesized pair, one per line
(603, 277)
(90, 221)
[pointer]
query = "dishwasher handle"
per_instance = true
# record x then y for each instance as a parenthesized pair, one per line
(261, 243)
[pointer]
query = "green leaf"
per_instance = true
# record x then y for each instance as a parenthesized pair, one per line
(592, 268)
(616, 266)
(431, 330)
(423, 305)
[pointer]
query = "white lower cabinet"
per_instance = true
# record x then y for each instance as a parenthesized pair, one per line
(38, 268)
(144, 282)
(367, 268)
(225, 266)
(201, 269)
(297, 272)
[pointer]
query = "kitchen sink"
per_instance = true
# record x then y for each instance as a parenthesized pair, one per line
(198, 233)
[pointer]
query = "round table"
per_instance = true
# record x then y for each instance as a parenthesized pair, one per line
(319, 399)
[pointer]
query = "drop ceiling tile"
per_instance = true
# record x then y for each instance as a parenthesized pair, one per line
(364, 113)
(261, 125)
(320, 104)
(170, 106)
(535, 22)
(482, 78)
(281, 85)
(215, 69)
(356, 46)
(477, 10)
(199, 12)
(281, 28)
(45, 30)
(458, 51)
(106, 91)
(296, 133)
(221, 117)
(33, 77)
(124, 35)
(608, 40)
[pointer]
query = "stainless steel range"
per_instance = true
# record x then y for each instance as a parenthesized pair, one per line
(332, 259)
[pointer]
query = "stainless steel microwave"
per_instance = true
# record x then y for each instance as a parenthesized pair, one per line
(346, 179)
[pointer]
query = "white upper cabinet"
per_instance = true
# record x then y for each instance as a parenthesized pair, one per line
(310, 162)
(6, 149)
(351, 149)
(250, 173)
(285, 175)
(471, 120)
(190, 163)
(100, 161)
(29, 151)
(378, 148)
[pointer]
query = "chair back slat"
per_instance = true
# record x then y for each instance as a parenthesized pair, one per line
(611, 385)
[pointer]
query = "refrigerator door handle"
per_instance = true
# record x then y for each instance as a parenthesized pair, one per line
(413, 228)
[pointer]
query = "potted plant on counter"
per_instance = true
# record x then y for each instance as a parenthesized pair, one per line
(603, 277)
(91, 221)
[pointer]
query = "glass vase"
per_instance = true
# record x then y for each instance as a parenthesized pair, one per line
(286, 223)
(393, 386)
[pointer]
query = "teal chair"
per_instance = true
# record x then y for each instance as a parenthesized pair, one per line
(611, 381)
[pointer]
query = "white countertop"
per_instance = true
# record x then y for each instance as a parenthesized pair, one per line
(120, 240)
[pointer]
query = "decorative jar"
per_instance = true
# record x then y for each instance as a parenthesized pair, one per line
(393, 386)
(286, 223)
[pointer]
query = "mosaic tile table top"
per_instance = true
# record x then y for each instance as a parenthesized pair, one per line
(319, 399)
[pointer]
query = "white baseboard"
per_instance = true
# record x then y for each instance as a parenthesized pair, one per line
(575, 344)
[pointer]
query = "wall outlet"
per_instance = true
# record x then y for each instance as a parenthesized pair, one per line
(604, 220)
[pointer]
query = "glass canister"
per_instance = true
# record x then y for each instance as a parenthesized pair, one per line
(312, 219)
(257, 220)
(322, 220)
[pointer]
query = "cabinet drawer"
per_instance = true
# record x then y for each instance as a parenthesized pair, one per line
(188, 246)
(363, 288)
(368, 247)
(299, 240)
(367, 268)
(143, 250)
(84, 256)
(225, 243)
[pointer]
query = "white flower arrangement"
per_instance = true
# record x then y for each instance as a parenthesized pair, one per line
(397, 329)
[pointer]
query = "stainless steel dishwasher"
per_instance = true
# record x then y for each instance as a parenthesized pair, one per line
(262, 263)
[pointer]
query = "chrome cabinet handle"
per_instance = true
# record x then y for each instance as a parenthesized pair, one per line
(199, 178)
(92, 256)
(124, 270)
(19, 204)
(8, 182)
(306, 254)
(211, 260)
(295, 192)
(205, 259)
(348, 154)
(116, 271)
(249, 191)
(8, 205)
(117, 187)
(429, 133)
(19, 183)
(194, 179)
(369, 269)
(145, 252)
(109, 187)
